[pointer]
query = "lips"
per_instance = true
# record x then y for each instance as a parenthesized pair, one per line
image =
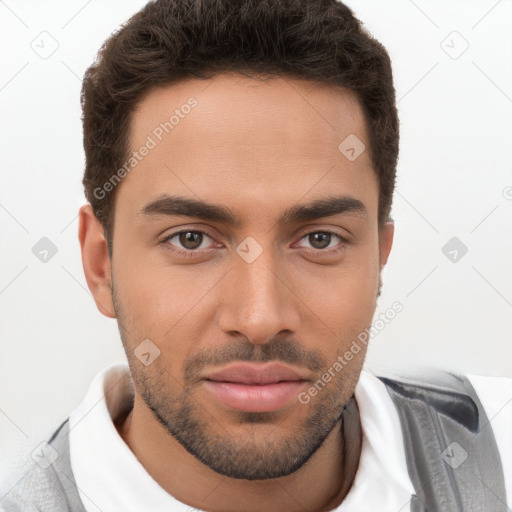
(255, 388)
(256, 374)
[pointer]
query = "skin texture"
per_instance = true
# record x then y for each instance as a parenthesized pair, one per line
(257, 148)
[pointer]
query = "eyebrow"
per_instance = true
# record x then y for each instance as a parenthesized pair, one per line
(167, 205)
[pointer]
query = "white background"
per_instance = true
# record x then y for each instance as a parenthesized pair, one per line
(454, 179)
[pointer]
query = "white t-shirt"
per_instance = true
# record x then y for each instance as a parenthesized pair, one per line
(111, 479)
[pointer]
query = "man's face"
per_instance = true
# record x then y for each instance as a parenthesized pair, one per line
(265, 289)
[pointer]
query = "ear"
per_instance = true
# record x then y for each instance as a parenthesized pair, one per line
(385, 242)
(95, 260)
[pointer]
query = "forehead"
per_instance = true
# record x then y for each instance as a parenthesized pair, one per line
(248, 142)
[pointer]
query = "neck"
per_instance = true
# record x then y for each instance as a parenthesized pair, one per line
(320, 485)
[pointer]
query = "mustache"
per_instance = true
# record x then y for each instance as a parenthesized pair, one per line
(278, 349)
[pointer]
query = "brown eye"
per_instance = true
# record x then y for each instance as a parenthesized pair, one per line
(186, 240)
(321, 240)
(190, 239)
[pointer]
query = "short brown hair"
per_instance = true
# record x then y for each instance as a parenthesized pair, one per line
(171, 40)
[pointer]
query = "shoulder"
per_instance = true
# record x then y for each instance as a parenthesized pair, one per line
(475, 410)
(35, 484)
(489, 387)
(451, 390)
(32, 488)
(495, 393)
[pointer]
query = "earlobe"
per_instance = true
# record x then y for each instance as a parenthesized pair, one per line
(386, 242)
(95, 260)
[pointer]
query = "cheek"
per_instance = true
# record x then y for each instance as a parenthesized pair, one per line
(141, 288)
(340, 301)
(161, 301)
(348, 289)
(158, 304)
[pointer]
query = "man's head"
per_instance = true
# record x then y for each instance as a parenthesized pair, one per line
(271, 128)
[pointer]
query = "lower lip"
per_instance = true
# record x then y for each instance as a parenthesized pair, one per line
(255, 398)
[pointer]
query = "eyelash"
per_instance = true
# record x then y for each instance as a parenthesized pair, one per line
(194, 252)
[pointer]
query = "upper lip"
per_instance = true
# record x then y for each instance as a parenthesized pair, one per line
(246, 373)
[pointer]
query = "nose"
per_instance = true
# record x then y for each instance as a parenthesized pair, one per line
(258, 301)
